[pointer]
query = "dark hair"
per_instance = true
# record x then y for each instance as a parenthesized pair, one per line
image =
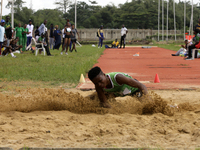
(95, 71)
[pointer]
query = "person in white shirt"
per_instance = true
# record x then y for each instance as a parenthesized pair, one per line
(124, 31)
(42, 27)
(63, 34)
(2, 34)
(30, 30)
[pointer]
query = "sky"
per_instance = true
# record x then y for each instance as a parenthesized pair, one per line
(49, 4)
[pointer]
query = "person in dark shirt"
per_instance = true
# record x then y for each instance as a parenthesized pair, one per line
(51, 40)
(8, 30)
(197, 27)
(37, 33)
(57, 38)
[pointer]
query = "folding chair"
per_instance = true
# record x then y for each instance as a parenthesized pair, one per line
(36, 44)
(193, 52)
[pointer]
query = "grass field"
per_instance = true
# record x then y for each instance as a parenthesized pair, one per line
(30, 70)
(55, 70)
(173, 46)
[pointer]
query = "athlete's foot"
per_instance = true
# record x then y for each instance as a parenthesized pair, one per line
(75, 50)
(61, 53)
(66, 53)
(14, 56)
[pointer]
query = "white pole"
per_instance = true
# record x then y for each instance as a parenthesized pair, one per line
(192, 19)
(174, 21)
(158, 19)
(12, 10)
(75, 14)
(1, 8)
(167, 19)
(162, 20)
(184, 18)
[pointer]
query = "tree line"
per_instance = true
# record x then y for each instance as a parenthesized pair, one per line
(137, 14)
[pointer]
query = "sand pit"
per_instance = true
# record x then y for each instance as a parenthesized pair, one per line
(67, 118)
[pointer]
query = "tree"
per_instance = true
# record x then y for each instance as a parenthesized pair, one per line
(17, 4)
(63, 5)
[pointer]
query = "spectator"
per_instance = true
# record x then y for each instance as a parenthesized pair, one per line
(18, 31)
(73, 38)
(57, 38)
(63, 34)
(197, 27)
(12, 47)
(101, 36)
(193, 45)
(37, 33)
(51, 36)
(8, 30)
(25, 31)
(2, 34)
(115, 44)
(41, 40)
(124, 31)
(68, 32)
(183, 49)
(30, 28)
(42, 27)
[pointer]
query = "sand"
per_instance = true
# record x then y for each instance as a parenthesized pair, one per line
(68, 118)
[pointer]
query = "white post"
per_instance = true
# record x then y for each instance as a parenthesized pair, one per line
(12, 13)
(192, 19)
(75, 14)
(184, 18)
(158, 18)
(167, 20)
(162, 20)
(174, 21)
(1, 8)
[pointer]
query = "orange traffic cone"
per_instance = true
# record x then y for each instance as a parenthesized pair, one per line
(157, 80)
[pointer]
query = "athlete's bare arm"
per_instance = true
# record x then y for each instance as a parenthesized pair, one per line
(121, 79)
(102, 97)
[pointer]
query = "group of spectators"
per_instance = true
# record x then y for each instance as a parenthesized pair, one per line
(23, 37)
(115, 44)
(190, 45)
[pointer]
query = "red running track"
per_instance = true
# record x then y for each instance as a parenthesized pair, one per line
(174, 72)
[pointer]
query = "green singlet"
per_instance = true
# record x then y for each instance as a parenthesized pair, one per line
(19, 31)
(119, 90)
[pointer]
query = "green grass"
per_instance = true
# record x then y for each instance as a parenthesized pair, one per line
(56, 69)
(173, 46)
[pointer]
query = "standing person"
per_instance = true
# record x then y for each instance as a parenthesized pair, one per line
(101, 36)
(73, 38)
(2, 34)
(63, 34)
(57, 38)
(18, 31)
(30, 28)
(51, 40)
(68, 32)
(42, 27)
(124, 31)
(25, 32)
(8, 30)
(37, 33)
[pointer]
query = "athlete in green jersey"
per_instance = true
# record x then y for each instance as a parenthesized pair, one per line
(18, 31)
(120, 84)
(24, 37)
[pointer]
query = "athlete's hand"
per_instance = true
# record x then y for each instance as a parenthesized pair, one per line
(105, 105)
